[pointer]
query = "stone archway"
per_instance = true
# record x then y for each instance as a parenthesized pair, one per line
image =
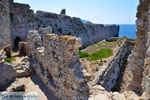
(16, 42)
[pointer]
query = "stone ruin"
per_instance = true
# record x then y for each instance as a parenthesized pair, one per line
(137, 62)
(18, 19)
(139, 59)
(63, 11)
(55, 59)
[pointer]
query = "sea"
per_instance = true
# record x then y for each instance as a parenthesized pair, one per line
(127, 30)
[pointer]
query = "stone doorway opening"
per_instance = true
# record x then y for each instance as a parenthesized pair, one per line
(16, 42)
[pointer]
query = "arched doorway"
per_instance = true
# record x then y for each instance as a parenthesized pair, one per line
(16, 42)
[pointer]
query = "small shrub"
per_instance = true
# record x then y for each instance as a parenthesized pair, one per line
(103, 53)
(83, 54)
(105, 61)
(10, 60)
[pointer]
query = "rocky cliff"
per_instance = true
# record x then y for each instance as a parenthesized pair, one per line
(65, 25)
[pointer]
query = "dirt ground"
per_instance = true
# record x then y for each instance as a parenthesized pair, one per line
(34, 84)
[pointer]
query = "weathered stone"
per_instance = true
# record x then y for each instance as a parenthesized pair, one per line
(63, 11)
(65, 25)
(7, 49)
(7, 73)
(4, 23)
(23, 49)
(138, 62)
(21, 22)
(65, 79)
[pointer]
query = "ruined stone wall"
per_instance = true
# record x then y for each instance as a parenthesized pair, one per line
(4, 23)
(108, 75)
(139, 59)
(21, 19)
(65, 25)
(57, 63)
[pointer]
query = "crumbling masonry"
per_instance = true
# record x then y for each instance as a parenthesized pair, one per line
(4, 23)
(57, 62)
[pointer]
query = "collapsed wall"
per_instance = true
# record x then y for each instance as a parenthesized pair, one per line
(57, 63)
(21, 21)
(140, 57)
(65, 25)
(4, 23)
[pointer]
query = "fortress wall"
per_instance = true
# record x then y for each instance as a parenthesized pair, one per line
(21, 21)
(4, 23)
(57, 63)
(65, 25)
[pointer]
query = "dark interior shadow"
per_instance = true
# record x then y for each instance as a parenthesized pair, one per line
(44, 89)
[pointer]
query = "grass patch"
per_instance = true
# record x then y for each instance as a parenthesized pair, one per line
(10, 60)
(102, 44)
(106, 43)
(103, 53)
(83, 54)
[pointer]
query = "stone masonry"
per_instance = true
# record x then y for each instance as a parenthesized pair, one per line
(21, 21)
(107, 75)
(65, 25)
(56, 61)
(140, 57)
(4, 23)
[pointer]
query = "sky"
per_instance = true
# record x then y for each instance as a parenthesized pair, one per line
(97, 11)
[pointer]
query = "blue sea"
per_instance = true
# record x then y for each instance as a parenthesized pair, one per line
(127, 30)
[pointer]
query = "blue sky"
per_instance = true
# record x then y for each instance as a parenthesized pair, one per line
(97, 11)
